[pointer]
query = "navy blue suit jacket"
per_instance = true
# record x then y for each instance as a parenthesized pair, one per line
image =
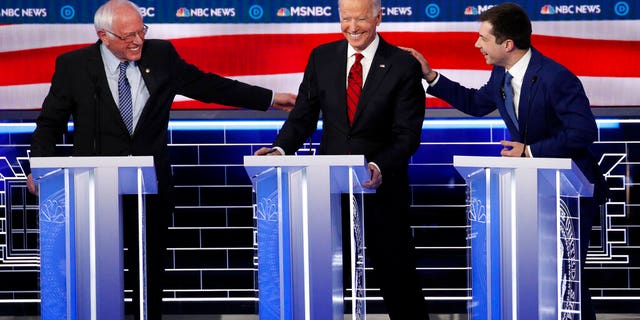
(555, 117)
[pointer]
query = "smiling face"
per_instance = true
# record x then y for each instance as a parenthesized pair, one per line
(126, 20)
(494, 53)
(358, 21)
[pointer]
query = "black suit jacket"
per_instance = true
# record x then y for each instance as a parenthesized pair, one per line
(387, 128)
(388, 121)
(79, 89)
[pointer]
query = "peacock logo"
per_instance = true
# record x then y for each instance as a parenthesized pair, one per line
(284, 12)
(471, 11)
(183, 13)
(548, 9)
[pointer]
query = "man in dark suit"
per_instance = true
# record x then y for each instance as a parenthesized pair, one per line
(386, 126)
(550, 115)
(87, 84)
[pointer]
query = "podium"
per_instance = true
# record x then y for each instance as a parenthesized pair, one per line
(299, 234)
(524, 225)
(82, 271)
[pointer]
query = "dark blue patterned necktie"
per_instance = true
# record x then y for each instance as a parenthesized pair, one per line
(124, 97)
(508, 98)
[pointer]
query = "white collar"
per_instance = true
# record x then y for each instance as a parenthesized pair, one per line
(110, 60)
(368, 52)
(518, 70)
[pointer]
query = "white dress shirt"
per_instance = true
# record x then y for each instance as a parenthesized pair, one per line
(517, 71)
(139, 91)
(367, 58)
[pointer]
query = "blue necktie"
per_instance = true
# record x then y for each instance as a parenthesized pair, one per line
(124, 97)
(508, 98)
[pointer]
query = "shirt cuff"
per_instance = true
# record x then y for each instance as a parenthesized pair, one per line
(433, 83)
(279, 150)
(377, 167)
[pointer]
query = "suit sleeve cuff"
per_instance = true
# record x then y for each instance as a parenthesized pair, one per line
(434, 81)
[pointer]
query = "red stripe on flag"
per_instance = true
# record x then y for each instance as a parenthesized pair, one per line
(252, 54)
(266, 54)
(30, 66)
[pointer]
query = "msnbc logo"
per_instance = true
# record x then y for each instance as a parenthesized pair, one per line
(474, 11)
(316, 11)
(284, 12)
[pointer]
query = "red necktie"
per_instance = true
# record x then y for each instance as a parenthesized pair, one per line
(354, 86)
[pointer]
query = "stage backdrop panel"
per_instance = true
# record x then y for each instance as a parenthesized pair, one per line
(211, 248)
(267, 42)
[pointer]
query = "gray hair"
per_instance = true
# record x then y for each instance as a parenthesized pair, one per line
(103, 19)
(377, 5)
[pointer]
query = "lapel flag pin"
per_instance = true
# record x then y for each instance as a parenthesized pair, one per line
(382, 66)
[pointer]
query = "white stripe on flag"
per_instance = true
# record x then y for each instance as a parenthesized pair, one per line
(602, 91)
(13, 37)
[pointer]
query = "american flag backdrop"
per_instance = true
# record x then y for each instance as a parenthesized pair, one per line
(273, 53)
(267, 43)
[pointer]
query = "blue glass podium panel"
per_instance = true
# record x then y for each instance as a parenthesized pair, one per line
(56, 224)
(523, 216)
(81, 233)
(274, 266)
(358, 294)
(299, 234)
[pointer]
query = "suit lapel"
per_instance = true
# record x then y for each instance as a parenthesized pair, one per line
(529, 89)
(148, 76)
(99, 77)
(338, 67)
(377, 72)
(104, 97)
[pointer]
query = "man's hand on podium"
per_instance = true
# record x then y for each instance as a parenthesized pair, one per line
(513, 149)
(376, 177)
(31, 185)
(267, 152)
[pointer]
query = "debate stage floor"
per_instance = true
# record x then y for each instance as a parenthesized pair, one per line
(608, 316)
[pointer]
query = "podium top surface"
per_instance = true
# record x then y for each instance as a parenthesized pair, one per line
(255, 165)
(42, 167)
(512, 163)
(90, 162)
(469, 165)
(304, 161)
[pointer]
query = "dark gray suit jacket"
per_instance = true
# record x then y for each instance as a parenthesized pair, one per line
(79, 89)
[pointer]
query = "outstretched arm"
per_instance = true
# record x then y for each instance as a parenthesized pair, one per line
(427, 72)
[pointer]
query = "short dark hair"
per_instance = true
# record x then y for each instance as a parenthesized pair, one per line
(509, 21)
